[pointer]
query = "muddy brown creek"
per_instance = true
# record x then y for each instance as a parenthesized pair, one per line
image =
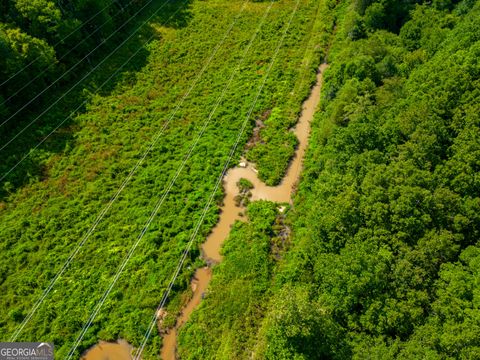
(120, 350)
(230, 213)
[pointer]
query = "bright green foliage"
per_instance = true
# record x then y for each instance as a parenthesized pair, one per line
(67, 182)
(452, 329)
(232, 311)
(384, 257)
(41, 17)
(45, 38)
(389, 198)
(244, 184)
(276, 148)
(18, 50)
(298, 328)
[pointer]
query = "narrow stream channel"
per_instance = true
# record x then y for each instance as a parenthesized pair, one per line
(282, 193)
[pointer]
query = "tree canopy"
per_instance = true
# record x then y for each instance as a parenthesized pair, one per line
(383, 258)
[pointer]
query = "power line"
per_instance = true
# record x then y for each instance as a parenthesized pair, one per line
(163, 197)
(212, 195)
(74, 66)
(73, 254)
(125, 182)
(58, 43)
(61, 58)
(68, 91)
(77, 249)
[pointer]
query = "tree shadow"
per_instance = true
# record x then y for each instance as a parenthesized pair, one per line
(22, 160)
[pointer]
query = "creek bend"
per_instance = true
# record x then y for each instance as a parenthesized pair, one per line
(230, 213)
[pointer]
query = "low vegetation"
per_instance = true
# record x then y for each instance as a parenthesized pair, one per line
(230, 315)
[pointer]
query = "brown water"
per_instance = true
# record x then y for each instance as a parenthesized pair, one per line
(199, 285)
(120, 350)
(281, 193)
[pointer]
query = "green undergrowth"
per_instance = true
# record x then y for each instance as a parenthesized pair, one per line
(275, 149)
(226, 324)
(276, 144)
(232, 309)
(42, 221)
(383, 259)
(45, 78)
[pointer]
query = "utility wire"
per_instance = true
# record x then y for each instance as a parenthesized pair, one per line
(79, 106)
(58, 42)
(212, 195)
(61, 58)
(74, 66)
(127, 179)
(163, 197)
(89, 232)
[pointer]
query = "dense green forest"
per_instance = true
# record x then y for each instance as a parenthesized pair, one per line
(49, 203)
(41, 39)
(383, 261)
